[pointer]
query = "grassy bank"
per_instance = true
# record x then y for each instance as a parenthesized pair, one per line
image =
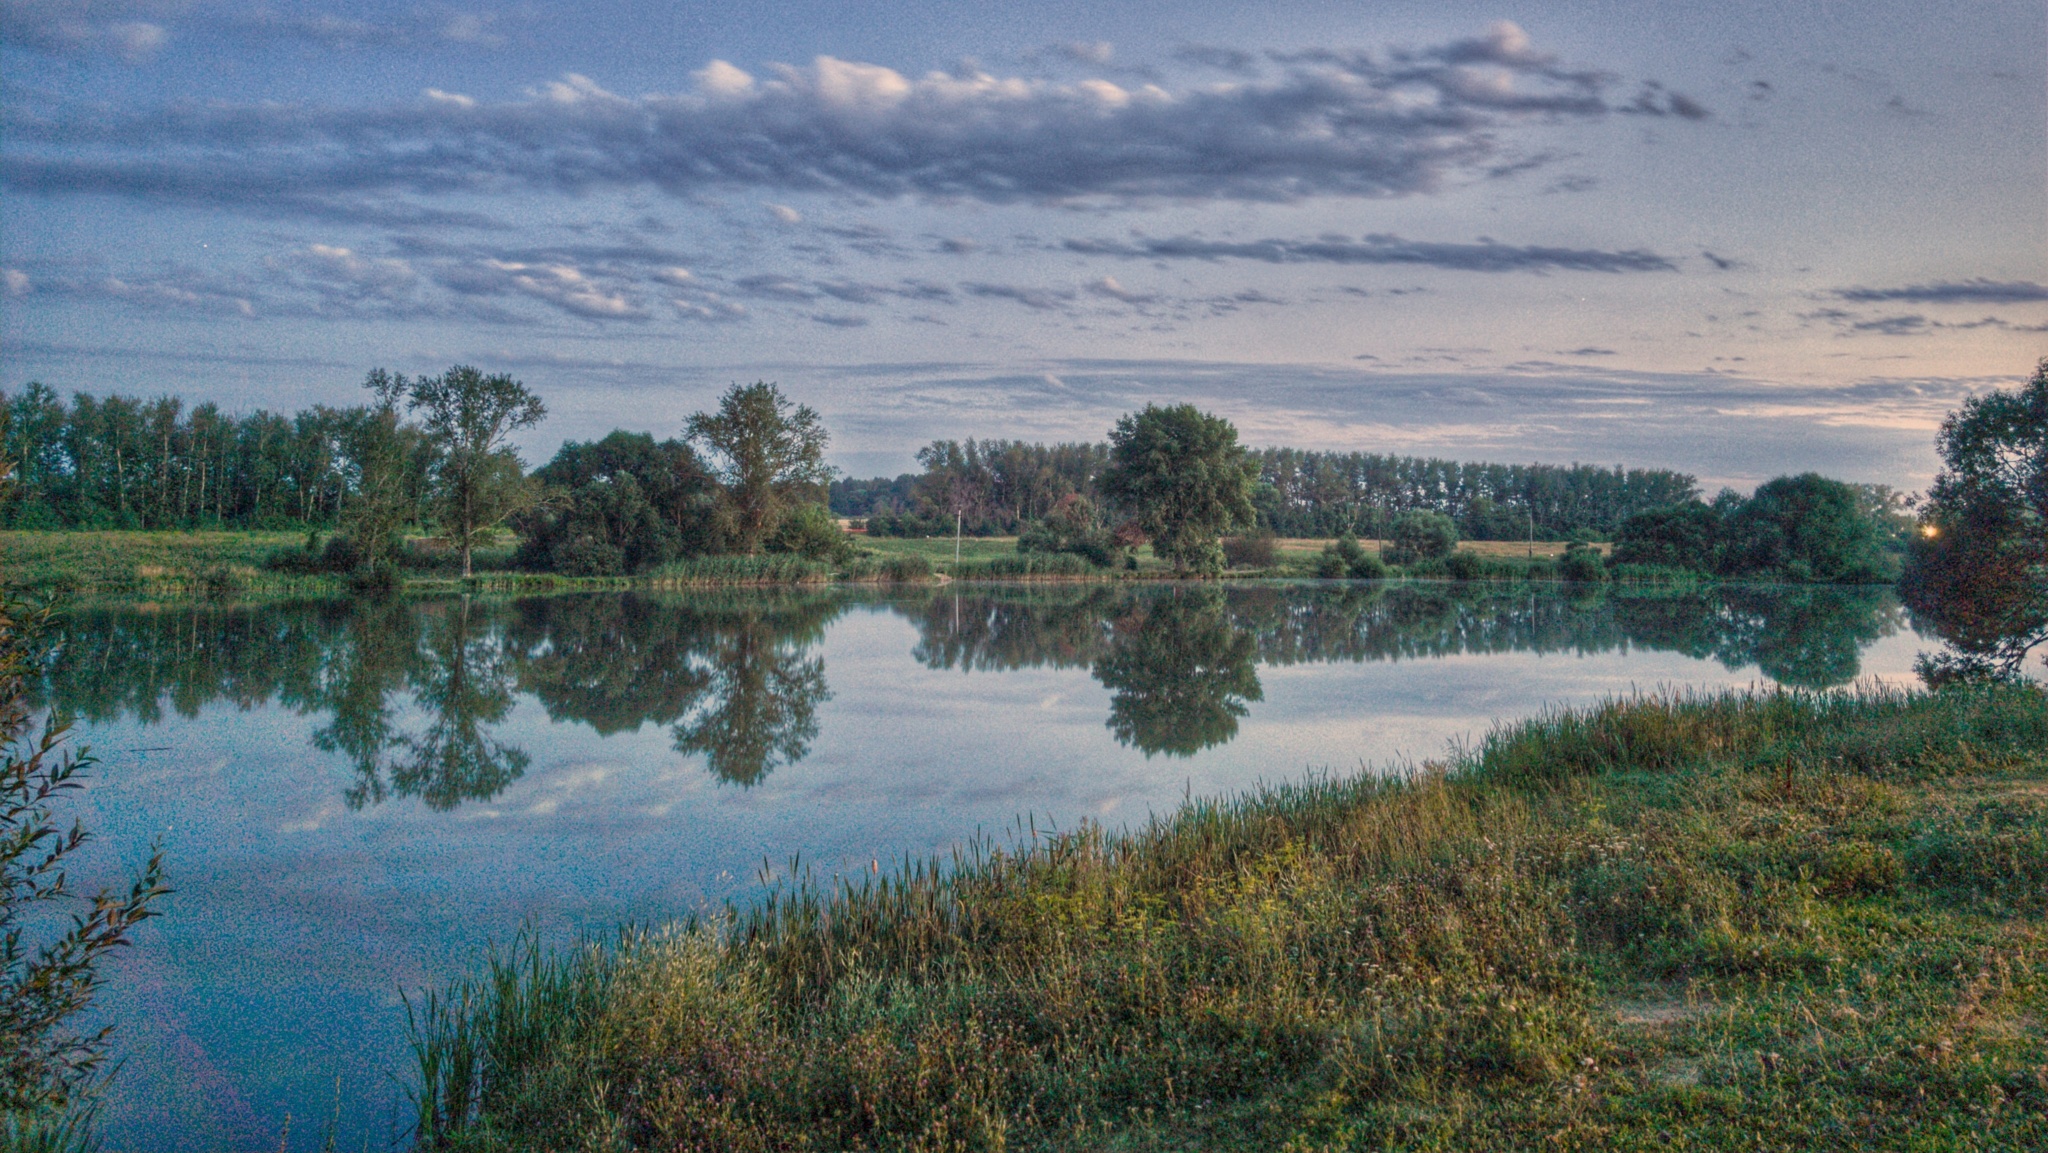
(224, 564)
(1773, 921)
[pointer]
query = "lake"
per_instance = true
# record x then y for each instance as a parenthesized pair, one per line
(356, 797)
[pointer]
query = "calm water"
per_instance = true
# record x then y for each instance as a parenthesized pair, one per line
(356, 797)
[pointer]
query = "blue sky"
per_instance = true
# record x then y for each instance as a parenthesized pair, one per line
(1739, 239)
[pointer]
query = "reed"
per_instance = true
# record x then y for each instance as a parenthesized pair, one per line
(1781, 919)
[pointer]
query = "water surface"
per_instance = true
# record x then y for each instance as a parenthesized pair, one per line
(356, 796)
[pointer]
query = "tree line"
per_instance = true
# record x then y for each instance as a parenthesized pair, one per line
(997, 487)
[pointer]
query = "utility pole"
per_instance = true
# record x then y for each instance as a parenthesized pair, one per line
(1532, 532)
(956, 539)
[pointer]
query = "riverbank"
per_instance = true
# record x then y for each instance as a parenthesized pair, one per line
(1778, 921)
(228, 564)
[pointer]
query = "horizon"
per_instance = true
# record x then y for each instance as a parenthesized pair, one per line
(1738, 243)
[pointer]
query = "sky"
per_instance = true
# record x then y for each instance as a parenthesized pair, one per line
(1739, 239)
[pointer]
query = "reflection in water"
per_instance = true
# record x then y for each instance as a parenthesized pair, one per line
(731, 672)
(462, 684)
(413, 691)
(1180, 672)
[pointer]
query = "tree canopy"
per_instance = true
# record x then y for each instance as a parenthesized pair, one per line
(469, 418)
(1978, 570)
(768, 455)
(1182, 475)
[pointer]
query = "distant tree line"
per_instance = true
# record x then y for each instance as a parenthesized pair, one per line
(996, 487)
(119, 462)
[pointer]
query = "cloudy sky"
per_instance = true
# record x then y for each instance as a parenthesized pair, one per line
(1739, 238)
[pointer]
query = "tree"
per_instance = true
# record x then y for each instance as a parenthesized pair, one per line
(618, 505)
(769, 455)
(1978, 571)
(470, 419)
(1686, 536)
(379, 450)
(1806, 528)
(1182, 474)
(1419, 534)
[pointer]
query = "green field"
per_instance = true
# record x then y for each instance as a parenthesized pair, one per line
(1780, 921)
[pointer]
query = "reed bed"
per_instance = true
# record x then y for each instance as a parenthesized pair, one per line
(1780, 920)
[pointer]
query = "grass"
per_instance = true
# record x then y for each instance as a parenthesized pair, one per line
(1758, 921)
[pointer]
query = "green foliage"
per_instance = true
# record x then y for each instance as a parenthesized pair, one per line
(1345, 558)
(1182, 474)
(1420, 535)
(1073, 526)
(469, 419)
(49, 976)
(1678, 536)
(769, 455)
(1806, 528)
(618, 506)
(1582, 566)
(1259, 549)
(1978, 570)
(812, 532)
(1465, 566)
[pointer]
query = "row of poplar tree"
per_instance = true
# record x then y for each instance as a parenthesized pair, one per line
(999, 486)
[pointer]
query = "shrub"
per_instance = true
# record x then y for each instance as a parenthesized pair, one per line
(44, 1067)
(1419, 535)
(1465, 566)
(908, 567)
(1256, 550)
(1582, 566)
(812, 532)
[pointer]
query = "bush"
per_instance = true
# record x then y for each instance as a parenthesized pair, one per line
(908, 567)
(1072, 528)
(1420, 535)
(1256, 550)
(812, 532)
(1465, 566)
(1582, 566)
(1344, 557)
(45, 1068)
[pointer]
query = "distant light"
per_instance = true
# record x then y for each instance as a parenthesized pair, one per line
(1929, 531)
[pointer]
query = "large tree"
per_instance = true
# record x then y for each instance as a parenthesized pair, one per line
(1181, 473)
(1978, 572)
(470, 419)
(769, 454)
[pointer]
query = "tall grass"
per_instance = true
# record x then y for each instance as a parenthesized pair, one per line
(1431, 960)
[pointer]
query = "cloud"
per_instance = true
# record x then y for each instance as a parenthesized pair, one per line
(15, 281)
(135, 30)
(1329, 124)
(840, 321)
(1041, 299)
(128, 30)
(560, 285)
(1912, 324)
(785, 214)
(1486, 256)
(1108, 286)
(1977, 291)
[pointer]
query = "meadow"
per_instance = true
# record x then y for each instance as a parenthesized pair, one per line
(1772, 920)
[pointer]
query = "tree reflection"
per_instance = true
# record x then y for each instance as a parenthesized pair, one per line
(760, 708)
(460, 677)
(1181, 674)
(735, 677)
(732, 673)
